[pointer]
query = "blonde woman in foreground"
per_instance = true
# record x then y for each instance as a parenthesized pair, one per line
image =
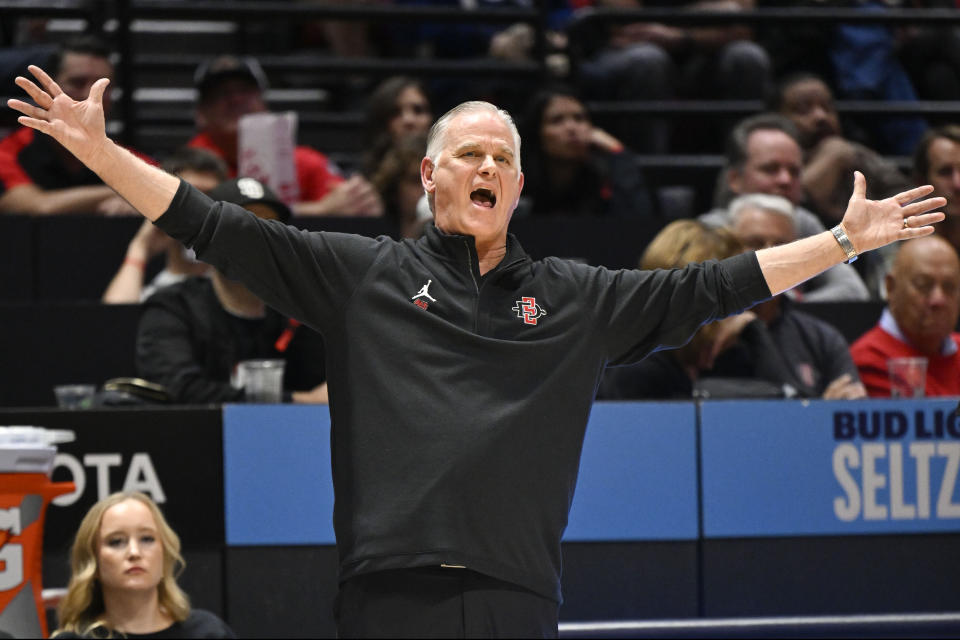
(124, 563)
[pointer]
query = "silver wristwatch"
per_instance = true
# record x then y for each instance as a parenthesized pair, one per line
(845, 243)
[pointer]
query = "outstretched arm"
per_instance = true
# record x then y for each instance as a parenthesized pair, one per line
(80, 128)
(869, 224)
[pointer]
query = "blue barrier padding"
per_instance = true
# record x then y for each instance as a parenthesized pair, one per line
(777, 468)
(638, 476)
(277, 483)
(784, 468)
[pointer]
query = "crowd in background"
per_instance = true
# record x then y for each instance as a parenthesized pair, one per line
(787, 174)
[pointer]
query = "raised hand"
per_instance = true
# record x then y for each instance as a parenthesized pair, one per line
(79, 126)
(874, 223)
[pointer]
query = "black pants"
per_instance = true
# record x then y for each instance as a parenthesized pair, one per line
(436, 602)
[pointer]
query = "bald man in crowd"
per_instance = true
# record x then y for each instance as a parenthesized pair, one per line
(923, 291)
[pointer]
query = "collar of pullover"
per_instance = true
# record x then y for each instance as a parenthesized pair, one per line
(462, 249)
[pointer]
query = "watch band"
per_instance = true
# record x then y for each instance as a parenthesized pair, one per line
(844, 243)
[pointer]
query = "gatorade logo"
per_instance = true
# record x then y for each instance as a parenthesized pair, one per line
(11, 555)
(23, 500)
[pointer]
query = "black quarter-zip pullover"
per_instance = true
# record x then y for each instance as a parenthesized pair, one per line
(458, 416)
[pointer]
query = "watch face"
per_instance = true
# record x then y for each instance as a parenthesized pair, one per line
(845, 243)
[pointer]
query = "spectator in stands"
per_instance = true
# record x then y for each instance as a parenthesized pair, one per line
(23, 40)
(344, 39)
(772, 350)
(397, 180)
(936, 161)
(193, 334)
(654, 61)
(923, 289)
(399, 107)
(865, 67)
(574, 168)
(124, 563)
(930, 54)
(829, 158)
(229, 88)
(517, 43)
(763, 156)
(675, 373)
(477, 39)
(40, 177)
(784, 345)
(203, 170)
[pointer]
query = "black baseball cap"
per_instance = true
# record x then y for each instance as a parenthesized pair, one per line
(213, 71)
(247, 191)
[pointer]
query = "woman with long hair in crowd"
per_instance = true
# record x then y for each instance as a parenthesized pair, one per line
(124, 563)
(397, 179)
(675, 373)
(572, 167)
(398, 107)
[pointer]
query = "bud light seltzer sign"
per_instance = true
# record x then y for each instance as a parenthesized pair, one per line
(820, 467)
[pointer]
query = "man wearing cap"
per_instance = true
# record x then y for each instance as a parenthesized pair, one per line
(40, 177)
(461, 371)
(193, 334)
(229, 88)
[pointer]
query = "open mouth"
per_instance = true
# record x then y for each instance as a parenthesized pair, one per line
(483, 198)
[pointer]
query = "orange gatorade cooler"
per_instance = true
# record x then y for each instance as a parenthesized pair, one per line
(26, 461)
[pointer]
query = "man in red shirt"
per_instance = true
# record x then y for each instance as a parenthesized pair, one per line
(923, 289)
(40, 177)
(229, 88)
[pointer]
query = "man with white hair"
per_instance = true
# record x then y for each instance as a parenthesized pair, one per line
(782, 344)
(457, 421)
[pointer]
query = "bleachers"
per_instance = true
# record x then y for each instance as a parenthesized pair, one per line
(70, 260)
(161, 42)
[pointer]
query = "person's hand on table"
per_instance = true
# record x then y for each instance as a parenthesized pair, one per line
(317, 395)
(845, 388)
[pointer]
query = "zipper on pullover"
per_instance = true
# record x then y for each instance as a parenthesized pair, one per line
(500, 269)
(476, 286)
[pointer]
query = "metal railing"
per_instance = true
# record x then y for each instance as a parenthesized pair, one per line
(769, 16)
(270, 10)
(905, 625)
(125, 12)
(588, 20)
